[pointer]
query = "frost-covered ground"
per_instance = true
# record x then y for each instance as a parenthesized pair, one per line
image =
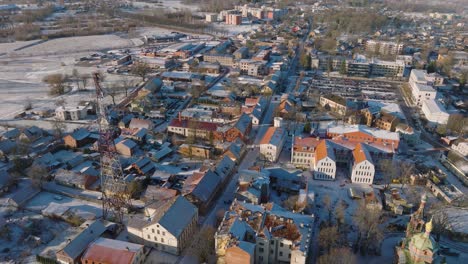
(236, 29)
(170, 5)
(21, 72)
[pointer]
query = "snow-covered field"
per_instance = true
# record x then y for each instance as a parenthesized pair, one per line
(76, 44)
(170, 5)
(234, 30)
(21, 72)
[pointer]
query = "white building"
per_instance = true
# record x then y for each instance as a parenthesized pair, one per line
(461, 147)
(434, 112)
(211, 18)
(72, 113)
(303, 151)
(421, 77)
(362, 170)
(169, 226)
(421, 92)
(325, 162)
(387, 68)
(272, 143)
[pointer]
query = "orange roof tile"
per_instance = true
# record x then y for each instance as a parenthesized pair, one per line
(323, 150)
(99, 252)
(361, 154)
(268, 134)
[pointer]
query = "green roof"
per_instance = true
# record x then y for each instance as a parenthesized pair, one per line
(423, 242)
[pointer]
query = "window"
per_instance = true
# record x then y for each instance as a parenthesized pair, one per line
(149, 237)
(281, 253)
(162, 240)
(155, 238)
(289, 256)
(260, 250)
(281, 244)
(272, 242)
(164, 233)
(158, 232)
(152, 230)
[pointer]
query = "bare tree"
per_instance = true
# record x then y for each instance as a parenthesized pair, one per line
(328, 238)
(338, 256)
(389, 172)
(113, 90)
(327, 204)
(59, 127)
(141, 69)
(203, 244)
(340, 214)
(60, 102)
(56, 83)
(76, 78)
(84, 80)
(367, 220)
(37, 174)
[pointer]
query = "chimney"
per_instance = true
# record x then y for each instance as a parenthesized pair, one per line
(180, 117)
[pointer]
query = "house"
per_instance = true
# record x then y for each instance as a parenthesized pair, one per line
(303, 151)
(386, 122)
(104, 250)
(169, 228)
(272, 143)
(193, 128)
(363, 170)
(224, 168)
(325, 161)
(195, 151)
(461, 146)
(142, 166)
(22, 196)
(90, 231)
(240, 130)
(80, 138)
(335, 103)
(202, 190)
(31, 134)
(77, 179)
(235, 151)
(137, 123)
(136, 134)
(126, 147)
(72, 113)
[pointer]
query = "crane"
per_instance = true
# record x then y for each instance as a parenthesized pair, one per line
(116, 197)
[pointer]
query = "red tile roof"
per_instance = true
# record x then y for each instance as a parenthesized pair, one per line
(207, 126)
(268, 135)
(98, 253)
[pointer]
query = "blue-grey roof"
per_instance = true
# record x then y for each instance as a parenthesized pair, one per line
(14, 133)
(206, 186)
(4, 178)
(243, 123)
(178, 216)
(80, 134)
(224, 166)
(81, 242)
(247, 247)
